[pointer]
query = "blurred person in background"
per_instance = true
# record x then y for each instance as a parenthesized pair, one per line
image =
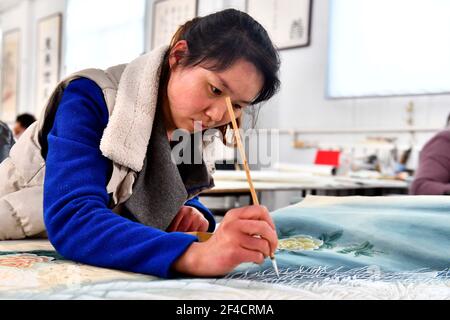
(433, 173)
(23, 121)
(6, 140)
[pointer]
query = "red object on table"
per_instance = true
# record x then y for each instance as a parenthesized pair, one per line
(326, 157)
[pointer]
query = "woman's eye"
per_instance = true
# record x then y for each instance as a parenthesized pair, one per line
(215, 91)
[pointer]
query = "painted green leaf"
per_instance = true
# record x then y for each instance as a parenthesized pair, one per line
(330, 239)
(286, 232)
(364, 249)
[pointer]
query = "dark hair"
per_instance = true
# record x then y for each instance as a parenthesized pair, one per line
(25, 119)
(220, 39)
(448, 120)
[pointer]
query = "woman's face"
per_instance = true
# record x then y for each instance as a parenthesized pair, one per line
(198, 94)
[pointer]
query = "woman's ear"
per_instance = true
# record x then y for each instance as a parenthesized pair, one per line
(178, 51)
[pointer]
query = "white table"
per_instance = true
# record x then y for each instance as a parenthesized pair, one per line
(234, 183)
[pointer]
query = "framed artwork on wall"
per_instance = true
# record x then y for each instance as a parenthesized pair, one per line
(168, 16)
(288, 22)
(10, 74)
(48, 58)
(206, 7)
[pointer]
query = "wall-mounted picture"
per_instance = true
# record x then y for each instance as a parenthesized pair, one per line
(48, 58)
(288, 22)
(168, 16)
(206, 7)
(10, 75)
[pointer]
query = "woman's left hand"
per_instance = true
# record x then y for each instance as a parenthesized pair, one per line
(188, 219)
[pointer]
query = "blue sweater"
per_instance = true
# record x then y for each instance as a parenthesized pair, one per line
(79, 224)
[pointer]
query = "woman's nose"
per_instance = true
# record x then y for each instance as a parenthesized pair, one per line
(217, 110)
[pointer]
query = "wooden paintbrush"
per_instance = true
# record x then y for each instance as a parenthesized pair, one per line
(202, 236)
(247, 170)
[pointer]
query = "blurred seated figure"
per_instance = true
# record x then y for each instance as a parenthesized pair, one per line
(23, 121)
(433, 173)
(402, 172)
(6, 140)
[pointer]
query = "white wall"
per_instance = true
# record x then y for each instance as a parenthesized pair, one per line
(301, 103)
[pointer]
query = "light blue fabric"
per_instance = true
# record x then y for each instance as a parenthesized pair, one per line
(403, 254)
(355, 236)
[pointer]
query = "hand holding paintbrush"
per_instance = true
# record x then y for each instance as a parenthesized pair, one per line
(245, 234)
(247, 170)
